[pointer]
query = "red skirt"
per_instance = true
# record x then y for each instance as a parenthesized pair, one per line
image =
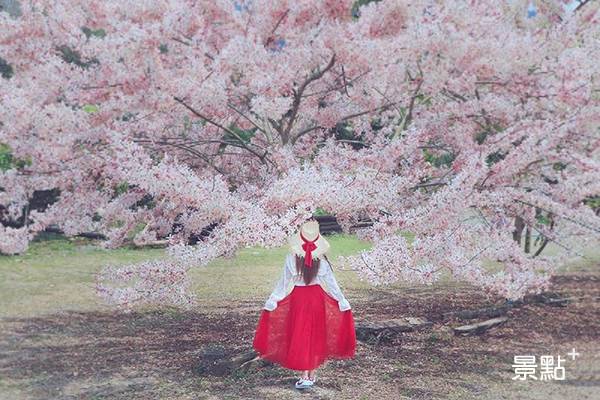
(305, 329)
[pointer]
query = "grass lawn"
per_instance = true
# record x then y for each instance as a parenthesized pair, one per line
(57, 274)
(58, 341)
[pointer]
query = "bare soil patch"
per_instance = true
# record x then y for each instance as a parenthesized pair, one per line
(156, 354)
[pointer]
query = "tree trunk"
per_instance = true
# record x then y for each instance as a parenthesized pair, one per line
(519, 226)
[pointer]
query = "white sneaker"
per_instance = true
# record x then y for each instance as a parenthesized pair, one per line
(303, 383)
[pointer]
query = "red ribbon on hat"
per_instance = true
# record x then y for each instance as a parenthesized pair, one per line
(308, 247)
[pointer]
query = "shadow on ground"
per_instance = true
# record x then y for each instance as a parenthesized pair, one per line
(155, 354)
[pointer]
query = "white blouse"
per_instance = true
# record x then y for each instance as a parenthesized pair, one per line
(291, 276)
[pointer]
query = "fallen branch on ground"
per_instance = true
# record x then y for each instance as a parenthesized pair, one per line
(479, 327)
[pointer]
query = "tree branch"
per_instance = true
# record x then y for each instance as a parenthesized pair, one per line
(298, 97)
(592, 228)
(262, 157)
(581, 4)
(187, 149)
(246, 117)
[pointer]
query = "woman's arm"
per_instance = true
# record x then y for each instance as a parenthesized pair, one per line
(333, 286)
(280, 289)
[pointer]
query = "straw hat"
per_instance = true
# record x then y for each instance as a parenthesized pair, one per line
(309, 241)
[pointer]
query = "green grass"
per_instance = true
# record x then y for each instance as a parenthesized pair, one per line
(252, 274)
(57, 274)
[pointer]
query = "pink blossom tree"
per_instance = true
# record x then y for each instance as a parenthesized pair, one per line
(465, 132)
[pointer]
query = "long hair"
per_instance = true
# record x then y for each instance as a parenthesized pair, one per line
(307, 273)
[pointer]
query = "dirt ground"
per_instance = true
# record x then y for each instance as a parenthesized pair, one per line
(155, 354)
